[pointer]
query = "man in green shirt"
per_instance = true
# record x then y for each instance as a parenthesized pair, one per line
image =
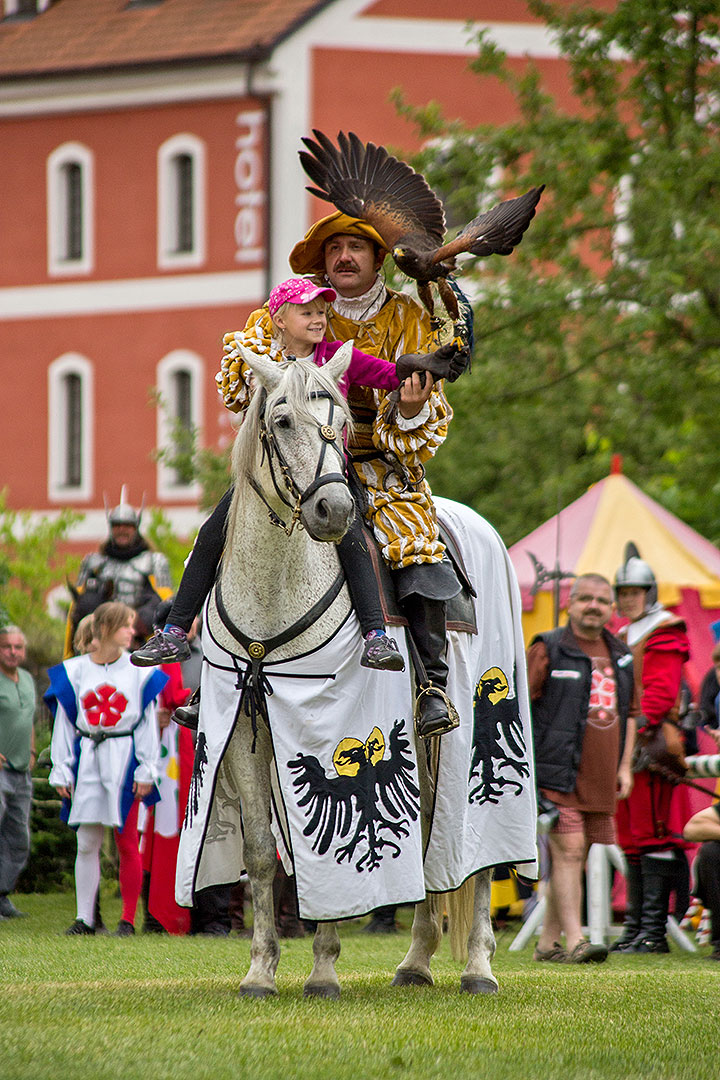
(17, 756)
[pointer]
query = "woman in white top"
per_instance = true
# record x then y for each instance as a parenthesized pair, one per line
(105, 752)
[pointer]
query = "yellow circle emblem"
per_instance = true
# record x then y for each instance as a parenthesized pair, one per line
(256, 649)
(350, 753)
(500, 690)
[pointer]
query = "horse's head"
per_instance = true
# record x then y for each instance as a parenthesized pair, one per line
(298, 418)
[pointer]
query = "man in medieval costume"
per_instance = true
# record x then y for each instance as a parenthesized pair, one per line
(392, 440)
(648, 822)
(126, 569)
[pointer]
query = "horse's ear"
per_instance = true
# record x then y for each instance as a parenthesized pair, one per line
(338, 364)
(267, 372)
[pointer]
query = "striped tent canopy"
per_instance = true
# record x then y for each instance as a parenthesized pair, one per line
(590, 535)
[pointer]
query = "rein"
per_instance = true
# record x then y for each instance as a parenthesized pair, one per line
(252, 683)
(273, 453)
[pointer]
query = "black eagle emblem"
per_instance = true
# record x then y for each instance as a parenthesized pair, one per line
(371, 800)
(498, 741)
(196, 782)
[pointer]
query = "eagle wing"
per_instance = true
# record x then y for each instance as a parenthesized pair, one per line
(365, 181)
(396, 781)
(496, 232)
(329, 800)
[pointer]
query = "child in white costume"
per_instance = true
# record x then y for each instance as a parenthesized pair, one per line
(105, 752)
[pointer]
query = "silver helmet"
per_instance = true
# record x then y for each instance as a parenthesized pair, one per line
(635, 572)
(124, 513)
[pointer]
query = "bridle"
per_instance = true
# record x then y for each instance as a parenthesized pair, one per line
(277, 460)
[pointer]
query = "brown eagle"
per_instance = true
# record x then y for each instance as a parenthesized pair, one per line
(365, 181)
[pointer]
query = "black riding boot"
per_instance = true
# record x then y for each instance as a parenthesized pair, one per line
(187, 715)
(658, 875)
(707, 871)
(426, 618)
(633, 907)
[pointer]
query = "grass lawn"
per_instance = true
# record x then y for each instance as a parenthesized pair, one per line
(150, 1008)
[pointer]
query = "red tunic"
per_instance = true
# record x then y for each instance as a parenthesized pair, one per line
(652, 818)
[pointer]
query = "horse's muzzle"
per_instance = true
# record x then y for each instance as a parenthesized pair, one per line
(328, 514)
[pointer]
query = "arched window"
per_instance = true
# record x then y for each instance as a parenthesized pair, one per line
(180, 378)
(181, 202)
(70, 210)
(20, 8)
(70, 428)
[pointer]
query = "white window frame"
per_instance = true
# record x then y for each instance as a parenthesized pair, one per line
(71, 153)
(58, 489)
(176, 361)
(168, 257)
(11, 6)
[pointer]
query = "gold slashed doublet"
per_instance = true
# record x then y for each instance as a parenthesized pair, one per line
(400, 508)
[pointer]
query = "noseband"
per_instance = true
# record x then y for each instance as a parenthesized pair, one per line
(276, 458)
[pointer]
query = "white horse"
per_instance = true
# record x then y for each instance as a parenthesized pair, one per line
(281, 594)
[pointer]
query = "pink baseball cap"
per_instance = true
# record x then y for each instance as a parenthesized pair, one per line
(298, 290)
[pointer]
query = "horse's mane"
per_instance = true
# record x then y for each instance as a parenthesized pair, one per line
(302, 379)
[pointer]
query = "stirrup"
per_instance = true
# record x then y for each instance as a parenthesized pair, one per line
(453, 716)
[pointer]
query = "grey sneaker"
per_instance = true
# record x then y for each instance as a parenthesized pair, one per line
(162, 648)
(381, 652)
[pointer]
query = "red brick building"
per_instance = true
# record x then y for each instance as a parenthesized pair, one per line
(152, 192)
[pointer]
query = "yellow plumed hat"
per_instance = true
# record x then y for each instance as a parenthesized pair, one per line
(307, 255)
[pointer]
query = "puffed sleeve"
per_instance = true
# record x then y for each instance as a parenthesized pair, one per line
(233, 378)
(413, 445)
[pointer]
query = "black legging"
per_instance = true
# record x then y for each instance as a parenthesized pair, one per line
(199, 574)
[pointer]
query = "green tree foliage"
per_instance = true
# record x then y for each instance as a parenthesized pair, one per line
(601, 333)
(29, 567)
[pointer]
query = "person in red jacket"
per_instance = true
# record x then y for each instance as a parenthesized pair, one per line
(648, 828)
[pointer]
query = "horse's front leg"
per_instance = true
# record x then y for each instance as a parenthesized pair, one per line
(252, 777)
(477, 978)
(414, 970)
(323, 980)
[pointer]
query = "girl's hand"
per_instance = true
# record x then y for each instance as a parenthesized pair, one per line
(64, 792)
(140, 790)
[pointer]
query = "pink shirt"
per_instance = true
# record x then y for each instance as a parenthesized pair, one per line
(364, 370)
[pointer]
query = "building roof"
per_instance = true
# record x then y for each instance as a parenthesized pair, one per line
(77, 36)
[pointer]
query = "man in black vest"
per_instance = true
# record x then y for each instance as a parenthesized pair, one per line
(581, 689)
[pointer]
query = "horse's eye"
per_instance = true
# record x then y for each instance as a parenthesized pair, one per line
(283, 421)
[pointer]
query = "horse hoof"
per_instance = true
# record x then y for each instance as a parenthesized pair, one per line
(411, 978)
(256, 991)
(474, 984)
(322, 990)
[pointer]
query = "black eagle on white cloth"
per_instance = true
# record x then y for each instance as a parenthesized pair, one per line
(198, 775)
(498, 742)
(371, 800)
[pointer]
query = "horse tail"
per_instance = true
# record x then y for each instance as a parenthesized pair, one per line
(460, 906)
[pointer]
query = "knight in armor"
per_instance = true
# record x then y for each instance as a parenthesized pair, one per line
(140, 577)
(649, 824)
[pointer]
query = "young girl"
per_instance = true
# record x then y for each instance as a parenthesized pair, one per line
(298, 311)
(105, 752)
